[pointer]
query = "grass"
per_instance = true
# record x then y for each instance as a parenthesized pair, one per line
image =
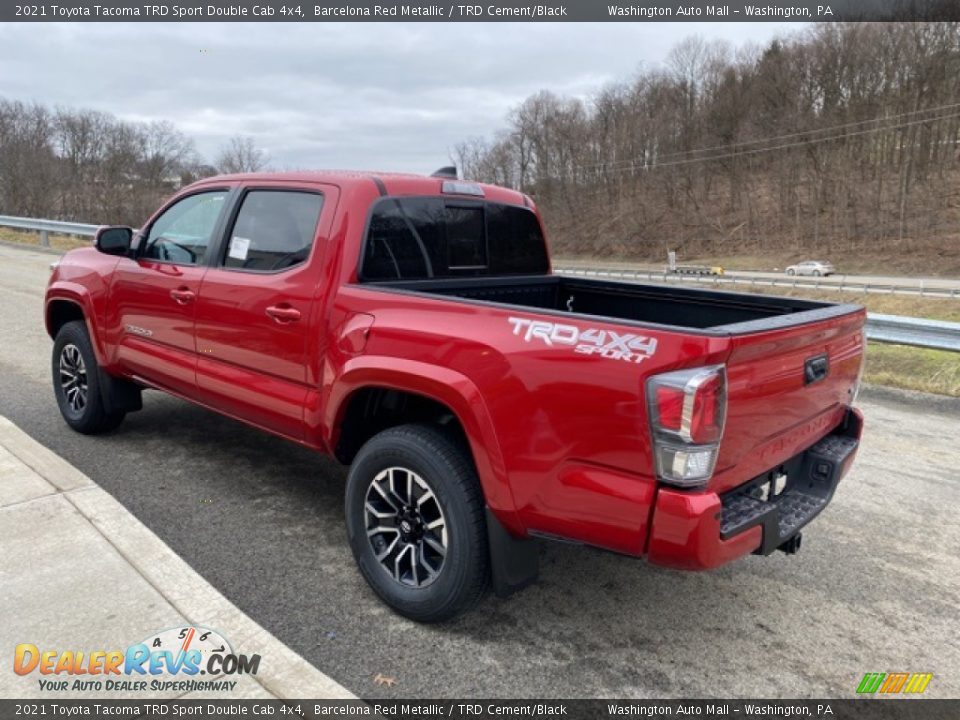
(910, 368)
(57, 242)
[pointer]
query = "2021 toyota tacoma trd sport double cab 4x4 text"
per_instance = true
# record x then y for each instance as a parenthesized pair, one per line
(411, 327)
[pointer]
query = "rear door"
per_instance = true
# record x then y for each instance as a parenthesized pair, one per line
(256, 303)
(153, 297)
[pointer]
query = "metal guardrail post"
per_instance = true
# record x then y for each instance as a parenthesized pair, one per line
(44, 238)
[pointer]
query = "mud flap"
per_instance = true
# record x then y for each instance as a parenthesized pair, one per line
(118, 394)
(514, 563)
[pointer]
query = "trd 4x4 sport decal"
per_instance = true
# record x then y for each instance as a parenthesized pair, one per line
(606, 343)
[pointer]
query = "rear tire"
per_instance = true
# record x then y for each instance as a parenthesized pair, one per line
(76, 382)
(791, 271)
(816, 273)
(416, 524)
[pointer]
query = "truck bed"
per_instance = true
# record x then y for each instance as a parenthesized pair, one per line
(693, 309)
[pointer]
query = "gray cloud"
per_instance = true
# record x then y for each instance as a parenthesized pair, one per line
(390, 96)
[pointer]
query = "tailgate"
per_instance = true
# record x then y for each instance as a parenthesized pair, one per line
(787, 388)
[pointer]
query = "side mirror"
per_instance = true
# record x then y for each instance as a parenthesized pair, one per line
(114, 239)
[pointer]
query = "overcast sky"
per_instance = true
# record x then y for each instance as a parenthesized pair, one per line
(341, 95)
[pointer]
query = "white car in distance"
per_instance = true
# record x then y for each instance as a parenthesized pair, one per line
(816, 268)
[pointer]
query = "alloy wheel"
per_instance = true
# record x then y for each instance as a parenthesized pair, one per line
(73, 377)
(405, 526)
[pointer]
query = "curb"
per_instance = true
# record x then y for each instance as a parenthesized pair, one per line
(286, 676)
(928, 402)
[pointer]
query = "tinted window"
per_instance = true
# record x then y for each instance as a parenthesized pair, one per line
(404, 239)
(516, 241)
(274, 230)
(466, 237)
(415, 238)
(182, 233)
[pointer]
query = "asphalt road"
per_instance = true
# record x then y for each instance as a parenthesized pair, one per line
(876, 587)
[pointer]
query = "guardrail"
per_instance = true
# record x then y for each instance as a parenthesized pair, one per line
(843, 284)
(46, 227)
(919, 332)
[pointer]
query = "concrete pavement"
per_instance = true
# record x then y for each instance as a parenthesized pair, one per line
(79, 572)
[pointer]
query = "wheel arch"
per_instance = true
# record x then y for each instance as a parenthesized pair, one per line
(67, 305)
(430, 391)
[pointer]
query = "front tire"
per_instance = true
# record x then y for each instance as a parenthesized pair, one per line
(415, 520)
(791, 271)
(76, 382)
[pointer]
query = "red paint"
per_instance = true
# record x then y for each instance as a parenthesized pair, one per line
(561, 440)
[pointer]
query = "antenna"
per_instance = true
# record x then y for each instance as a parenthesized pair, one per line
(450, 172)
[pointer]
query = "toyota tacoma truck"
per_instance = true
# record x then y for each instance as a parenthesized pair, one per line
(411, 327)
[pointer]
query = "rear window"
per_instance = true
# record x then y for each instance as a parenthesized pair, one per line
(419, 238)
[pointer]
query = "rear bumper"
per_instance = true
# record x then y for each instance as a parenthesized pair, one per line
(698, 531)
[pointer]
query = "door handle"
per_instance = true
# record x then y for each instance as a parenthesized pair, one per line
(815, 369)
(283, 313)
(183, 295)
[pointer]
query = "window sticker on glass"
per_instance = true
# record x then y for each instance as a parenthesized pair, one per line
(239, 247)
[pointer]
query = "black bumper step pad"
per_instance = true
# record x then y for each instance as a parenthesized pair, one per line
(788, 497)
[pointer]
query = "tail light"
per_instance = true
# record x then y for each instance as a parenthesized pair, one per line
(687, 409)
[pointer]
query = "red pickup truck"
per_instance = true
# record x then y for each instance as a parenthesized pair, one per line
(411, 327)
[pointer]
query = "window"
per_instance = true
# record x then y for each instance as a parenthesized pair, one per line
(419, 237)
(517, 245)
(404, 239)
(182, 233)
(274, 230)
(466, 237)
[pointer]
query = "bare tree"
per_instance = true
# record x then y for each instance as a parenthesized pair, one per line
(166, 153)
(241, 155)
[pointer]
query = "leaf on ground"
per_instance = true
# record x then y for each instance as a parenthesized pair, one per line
(384, 680)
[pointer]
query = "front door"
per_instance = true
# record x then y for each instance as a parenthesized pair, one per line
(153, 297)
(254, 311)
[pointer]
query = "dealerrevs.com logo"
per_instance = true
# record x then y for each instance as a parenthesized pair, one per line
(178, 659)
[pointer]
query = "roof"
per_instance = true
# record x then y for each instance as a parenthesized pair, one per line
(394, 182)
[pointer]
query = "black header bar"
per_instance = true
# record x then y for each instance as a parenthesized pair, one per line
(484, 11)
(473, 709)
